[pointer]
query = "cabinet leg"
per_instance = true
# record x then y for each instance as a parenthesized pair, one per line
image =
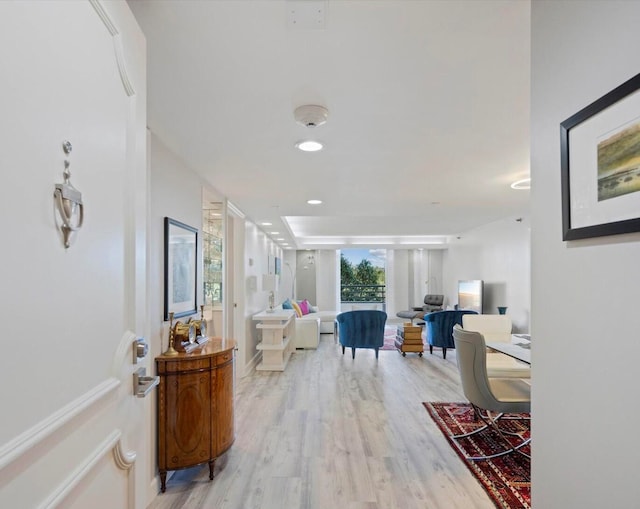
(211, 465)
(163, 481)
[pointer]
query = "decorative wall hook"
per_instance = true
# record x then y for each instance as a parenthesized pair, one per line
(68, 201)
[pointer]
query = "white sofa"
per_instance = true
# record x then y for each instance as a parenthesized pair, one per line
(309, 327)
(496, 328)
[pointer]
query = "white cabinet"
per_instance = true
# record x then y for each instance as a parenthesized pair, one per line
(278, 330)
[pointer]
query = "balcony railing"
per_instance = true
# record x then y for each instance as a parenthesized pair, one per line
(362, 293)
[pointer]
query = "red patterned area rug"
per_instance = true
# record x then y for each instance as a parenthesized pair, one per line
(389, 337)
(507, 478)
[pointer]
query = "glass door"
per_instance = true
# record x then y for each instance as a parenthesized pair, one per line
(212, 261)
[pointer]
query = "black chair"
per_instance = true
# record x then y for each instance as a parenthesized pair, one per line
(432, 302)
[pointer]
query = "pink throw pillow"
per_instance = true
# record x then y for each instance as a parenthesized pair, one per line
(304, 306)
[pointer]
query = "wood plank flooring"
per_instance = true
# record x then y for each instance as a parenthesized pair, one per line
(332, 432)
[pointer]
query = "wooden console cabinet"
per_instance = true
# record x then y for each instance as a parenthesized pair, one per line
(195, 406)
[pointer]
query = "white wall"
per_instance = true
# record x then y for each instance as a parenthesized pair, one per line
(499, 254)
(328, 279)
(584, 319)
(307, 270)
(257, 248)
(175, 191)
(397, 279)
(411, 274)
(288, 280)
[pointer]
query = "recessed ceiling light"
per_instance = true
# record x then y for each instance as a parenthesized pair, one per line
(275, 233)
(522, 184)
(266, 224)
(279, 238)
(309, 146)
(314, 202)
(285, 243)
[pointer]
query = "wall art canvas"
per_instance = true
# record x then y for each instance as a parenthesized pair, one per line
(619, 162)
(180, 268)
(600, 165)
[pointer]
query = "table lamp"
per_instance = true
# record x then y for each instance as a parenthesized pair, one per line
(269, 284)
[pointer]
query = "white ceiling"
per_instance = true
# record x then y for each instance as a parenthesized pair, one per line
(428, 111)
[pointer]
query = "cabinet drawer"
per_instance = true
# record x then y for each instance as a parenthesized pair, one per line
(184, 365)
(223, 358)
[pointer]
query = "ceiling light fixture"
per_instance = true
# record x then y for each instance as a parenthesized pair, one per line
(522, 184)
(314, 202)
(311, 115)
(309, 146)
(275, 233)
(266, 224)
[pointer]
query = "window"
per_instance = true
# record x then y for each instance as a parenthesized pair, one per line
(362, 275)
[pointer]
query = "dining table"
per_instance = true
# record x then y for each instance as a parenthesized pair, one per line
(519, 348)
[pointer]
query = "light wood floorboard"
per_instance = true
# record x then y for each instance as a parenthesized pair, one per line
(335, 432)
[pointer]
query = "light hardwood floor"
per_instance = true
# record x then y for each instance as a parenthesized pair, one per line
(332, 432)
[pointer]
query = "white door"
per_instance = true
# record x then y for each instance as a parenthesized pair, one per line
(235, 284)
(70, 433)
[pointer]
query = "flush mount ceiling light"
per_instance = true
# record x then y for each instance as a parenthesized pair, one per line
(314, 202)
(309, 146)
(522, 184)
(266, 224)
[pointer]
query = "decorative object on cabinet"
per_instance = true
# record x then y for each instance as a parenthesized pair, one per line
(68, 201)
(599, 147)
(183, 334)
(183, 337)
(269, 284)
(171, 351)
(200, 325)
(180, 262)
(195, 407)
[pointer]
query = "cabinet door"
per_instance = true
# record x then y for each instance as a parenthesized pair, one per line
(188, 420)
(223, 421)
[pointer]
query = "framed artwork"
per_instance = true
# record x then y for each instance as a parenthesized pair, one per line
(600, 164)
(180, 266)
(271, 264)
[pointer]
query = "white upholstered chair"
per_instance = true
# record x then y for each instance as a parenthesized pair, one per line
(497, 328)
(491, 398)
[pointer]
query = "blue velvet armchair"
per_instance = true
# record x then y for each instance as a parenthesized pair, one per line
(361, 329)
(439, 328)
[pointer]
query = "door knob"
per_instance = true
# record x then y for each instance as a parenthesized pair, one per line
(140, 349)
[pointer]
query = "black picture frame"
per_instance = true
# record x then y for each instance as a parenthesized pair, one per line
(610, 219)
(180, 268)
